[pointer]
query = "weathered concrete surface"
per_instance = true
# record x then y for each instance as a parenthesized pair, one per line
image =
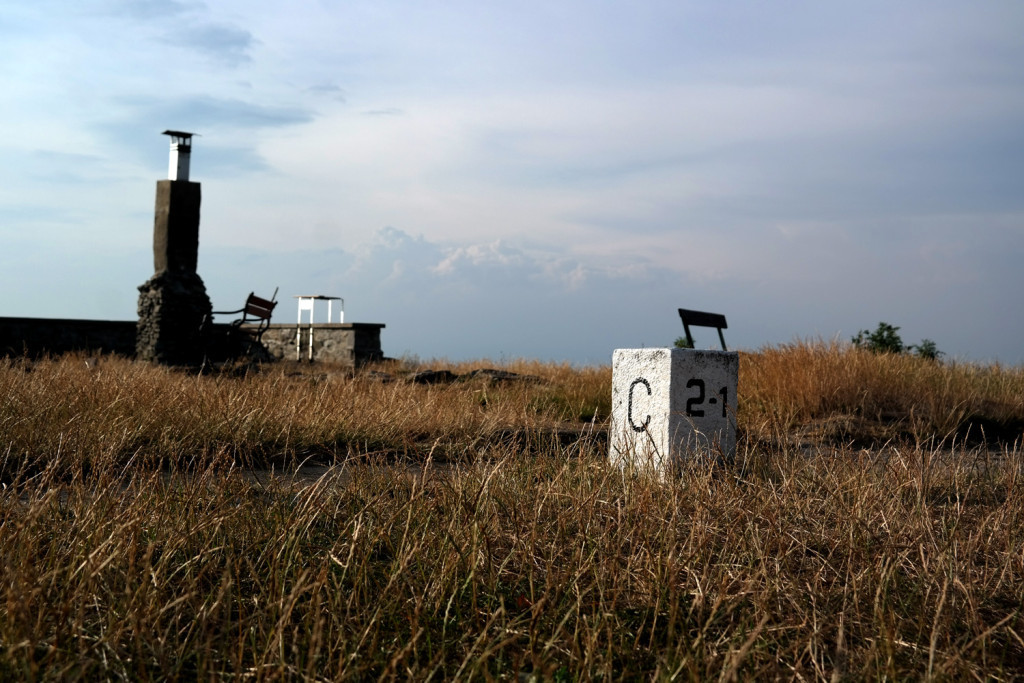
(176, 226)
(350, 344)
(672, 404)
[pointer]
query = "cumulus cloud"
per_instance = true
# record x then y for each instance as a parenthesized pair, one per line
(476, 256)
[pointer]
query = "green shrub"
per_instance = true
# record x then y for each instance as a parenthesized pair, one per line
(927, 349)
(885, 339)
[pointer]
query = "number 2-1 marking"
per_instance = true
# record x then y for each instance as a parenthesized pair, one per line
(692, 411)
(695, 400)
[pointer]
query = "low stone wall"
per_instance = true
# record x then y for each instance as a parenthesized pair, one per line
(346, 343)
(40, 336)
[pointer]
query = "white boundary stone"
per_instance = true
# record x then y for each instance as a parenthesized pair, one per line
(672, 404)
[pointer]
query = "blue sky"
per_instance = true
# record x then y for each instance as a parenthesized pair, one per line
(533, 179)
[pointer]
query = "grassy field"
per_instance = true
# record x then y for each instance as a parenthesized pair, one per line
(151, 526)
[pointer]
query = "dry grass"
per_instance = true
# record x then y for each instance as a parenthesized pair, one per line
(135, 547)
(853, 396)
(130, 412)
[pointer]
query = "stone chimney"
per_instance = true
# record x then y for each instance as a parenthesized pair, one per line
(174, 309)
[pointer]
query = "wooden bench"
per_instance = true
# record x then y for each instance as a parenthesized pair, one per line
(256, 310)
(702, 319)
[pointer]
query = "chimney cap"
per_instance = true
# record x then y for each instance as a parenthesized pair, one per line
(179, 134)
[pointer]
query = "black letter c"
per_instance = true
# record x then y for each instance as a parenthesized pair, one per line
(629, 412)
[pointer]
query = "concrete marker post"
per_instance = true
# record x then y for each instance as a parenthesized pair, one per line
(670, 405)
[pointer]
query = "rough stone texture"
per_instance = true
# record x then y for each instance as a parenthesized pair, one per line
(486, 375)
(672, 404)
(351, 344)
(433, 377)
(494, 376)
(173, 311)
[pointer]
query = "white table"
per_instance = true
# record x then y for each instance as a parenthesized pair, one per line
(307, 303)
